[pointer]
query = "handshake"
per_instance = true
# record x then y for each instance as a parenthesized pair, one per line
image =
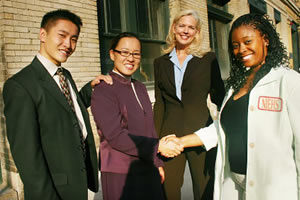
(170, 146)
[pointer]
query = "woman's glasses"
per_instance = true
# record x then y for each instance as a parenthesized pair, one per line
(127, 53)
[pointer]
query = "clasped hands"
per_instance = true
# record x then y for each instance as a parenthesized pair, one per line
(170, 146)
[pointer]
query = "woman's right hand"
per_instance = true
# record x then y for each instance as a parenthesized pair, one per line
(170, 146)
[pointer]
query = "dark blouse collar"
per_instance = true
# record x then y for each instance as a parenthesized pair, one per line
(121, 79)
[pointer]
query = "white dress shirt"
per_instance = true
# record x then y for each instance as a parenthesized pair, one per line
(52, 68)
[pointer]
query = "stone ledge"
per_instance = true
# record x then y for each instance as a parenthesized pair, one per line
(8, 194)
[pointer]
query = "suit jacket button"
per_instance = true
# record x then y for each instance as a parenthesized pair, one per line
(83, 169)
(252, 108)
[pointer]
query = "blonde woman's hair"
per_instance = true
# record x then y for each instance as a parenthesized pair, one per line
(195, 48)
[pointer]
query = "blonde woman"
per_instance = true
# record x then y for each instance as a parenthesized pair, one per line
(184, 77)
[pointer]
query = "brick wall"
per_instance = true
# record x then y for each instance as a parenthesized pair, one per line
(291, 16)
(238, 8)
(282, 27)
(19, 28)
(19, 40)
(2, 69)
(198, 5)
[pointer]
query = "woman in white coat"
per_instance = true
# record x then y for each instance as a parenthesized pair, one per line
(257, 129)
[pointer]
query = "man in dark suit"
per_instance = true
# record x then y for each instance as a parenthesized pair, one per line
(48, 126)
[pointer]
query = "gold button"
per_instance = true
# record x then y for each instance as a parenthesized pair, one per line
(252, 108)
(251, 145)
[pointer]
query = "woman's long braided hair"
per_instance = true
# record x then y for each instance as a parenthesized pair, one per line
(276, 52)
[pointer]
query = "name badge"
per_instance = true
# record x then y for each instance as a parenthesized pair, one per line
(270, 103)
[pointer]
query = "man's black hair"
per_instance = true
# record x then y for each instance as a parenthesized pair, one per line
(51, 17)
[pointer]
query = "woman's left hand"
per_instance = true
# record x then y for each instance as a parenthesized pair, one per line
(162, 174)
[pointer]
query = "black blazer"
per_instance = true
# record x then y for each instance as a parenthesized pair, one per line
(43, 133)
(182, 117)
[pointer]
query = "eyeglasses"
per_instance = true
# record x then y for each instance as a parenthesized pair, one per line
(127, 53)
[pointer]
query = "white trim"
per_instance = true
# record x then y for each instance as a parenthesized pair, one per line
(277, 7)
(292, 6)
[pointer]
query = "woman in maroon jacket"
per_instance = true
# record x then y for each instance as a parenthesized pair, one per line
(130, 168)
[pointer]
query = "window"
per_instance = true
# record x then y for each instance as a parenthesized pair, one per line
(257, 6)
(147, 18)
(218, 19)
(114, 21)
(142, 16)
(277, 16)
(295, 46)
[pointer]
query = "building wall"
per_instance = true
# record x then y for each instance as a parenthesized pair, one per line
(19, 40)
(19, 29)
(292, 17)
(238, 8)
(201, 7)
(284, 27)
(198, 5)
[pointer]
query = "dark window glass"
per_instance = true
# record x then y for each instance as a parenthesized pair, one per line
(212, 35)
(258, 6)
(295, 46)
(142, 18)
(218, 36)
(113, 16)
(277, 16)
(147, 18)
(155, 19)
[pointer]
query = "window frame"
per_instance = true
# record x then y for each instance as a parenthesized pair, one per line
(129, 23)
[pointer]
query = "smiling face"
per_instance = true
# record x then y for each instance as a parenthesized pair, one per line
(59, 41)
(122, 64)
(185, 31)
(249, 46)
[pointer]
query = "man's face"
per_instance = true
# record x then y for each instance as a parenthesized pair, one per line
(59, 41)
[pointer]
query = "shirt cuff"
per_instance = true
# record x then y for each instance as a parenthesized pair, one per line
(208, 135)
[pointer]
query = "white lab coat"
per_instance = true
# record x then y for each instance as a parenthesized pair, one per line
(273, 141)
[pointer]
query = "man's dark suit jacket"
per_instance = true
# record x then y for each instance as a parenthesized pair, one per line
(43, 133)
(185, 116)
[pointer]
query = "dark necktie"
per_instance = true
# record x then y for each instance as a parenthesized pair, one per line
(65, 87)
(66, 91)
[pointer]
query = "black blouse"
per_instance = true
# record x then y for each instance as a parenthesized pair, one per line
(234, 119)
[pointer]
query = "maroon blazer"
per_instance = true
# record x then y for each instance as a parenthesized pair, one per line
(127, 133)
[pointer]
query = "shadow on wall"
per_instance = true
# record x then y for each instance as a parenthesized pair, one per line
(2, 136)
(7, 166)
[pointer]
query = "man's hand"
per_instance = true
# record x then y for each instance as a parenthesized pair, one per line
(170, 146)
(106, 78)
